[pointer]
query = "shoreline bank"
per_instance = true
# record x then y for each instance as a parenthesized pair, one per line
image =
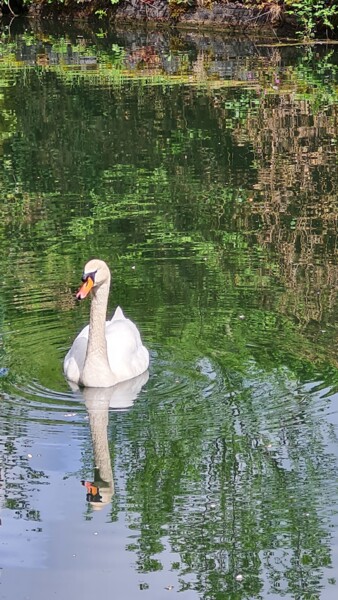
(230, 17)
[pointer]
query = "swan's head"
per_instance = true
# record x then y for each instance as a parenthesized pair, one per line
(94, 274)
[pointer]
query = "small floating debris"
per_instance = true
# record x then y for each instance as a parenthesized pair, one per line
(70, 415)
(29, 455)
(144, 586)
(239, 577)
(169, 587)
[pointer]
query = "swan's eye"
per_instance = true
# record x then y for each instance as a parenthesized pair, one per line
(86, 276)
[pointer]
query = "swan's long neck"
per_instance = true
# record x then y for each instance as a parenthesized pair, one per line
(96, 363)
(97, 324)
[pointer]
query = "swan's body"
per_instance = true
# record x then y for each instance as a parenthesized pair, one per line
(105, 352)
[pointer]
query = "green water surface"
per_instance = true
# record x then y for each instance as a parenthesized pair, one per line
(204, 171)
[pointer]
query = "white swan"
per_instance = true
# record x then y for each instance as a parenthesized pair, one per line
(105, 352)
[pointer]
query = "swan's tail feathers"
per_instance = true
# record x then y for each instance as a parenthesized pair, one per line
(118, 314)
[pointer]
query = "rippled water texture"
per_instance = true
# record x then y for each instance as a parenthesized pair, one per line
(204, 171)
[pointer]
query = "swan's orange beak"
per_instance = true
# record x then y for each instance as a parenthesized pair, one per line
(85, 288)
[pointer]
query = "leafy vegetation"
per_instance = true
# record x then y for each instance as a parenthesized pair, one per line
(314, 15)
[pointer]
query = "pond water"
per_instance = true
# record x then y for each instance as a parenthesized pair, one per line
(203, 170)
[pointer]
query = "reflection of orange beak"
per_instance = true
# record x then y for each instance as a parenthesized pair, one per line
(85, 288)
(92, 489)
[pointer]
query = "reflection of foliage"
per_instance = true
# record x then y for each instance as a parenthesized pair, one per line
(188, 192)
(320, 75)
(17, 477)
(240, 460)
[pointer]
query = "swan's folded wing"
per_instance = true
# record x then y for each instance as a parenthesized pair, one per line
(126, 354)
(74, 360)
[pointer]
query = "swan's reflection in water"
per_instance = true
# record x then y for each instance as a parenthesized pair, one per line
(98, 401)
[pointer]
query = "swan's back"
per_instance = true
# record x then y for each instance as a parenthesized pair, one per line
(126, 354)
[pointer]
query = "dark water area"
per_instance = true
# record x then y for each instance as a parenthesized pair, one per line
(203, 170)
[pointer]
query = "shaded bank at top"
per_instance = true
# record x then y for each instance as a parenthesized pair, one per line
(306, 18)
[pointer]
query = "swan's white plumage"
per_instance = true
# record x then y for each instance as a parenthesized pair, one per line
(115, 352)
